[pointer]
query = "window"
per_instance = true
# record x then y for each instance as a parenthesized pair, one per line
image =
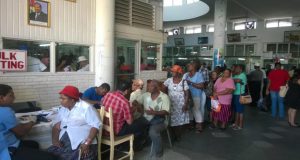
(189, 31)
(197, 30)
(239, 26)
(72, 58)
(168, 3)
(177, 2)
(170, 33)
(210, 28)
(244, 25)
(239, 50)
(149, 53)
(191, 1)
(283, 22)
(192, 30)
(37, 53)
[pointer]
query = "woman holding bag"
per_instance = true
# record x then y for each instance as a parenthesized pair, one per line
(178, 93)
(240, 81)
(223, 89)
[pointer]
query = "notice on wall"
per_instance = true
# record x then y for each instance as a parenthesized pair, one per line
(13, 60)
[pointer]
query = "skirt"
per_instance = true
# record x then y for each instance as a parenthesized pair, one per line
(224, 114)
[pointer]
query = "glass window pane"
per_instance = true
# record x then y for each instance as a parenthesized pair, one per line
(249, 50)
(149, 55)
(72, 58)
(285, 24)
(177, 2)
(189, 1)
(168, 2)
(197, 30)
(211, 28)
(271, 47)
(283, 48)
(272, 24)
(294, 49)
(189, 31)
(37, 53)
(239, 26)
(230, 50)
(239, 50)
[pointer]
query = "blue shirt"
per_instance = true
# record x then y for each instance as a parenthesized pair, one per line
(8, 121)
(91, 94)
(197, 78)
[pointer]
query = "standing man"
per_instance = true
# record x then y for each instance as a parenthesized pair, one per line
(38, 14)
(256, 79)
(277, 77)
(94, 95)
(156, 106)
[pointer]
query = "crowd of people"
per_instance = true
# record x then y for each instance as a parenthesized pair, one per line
(183, 100)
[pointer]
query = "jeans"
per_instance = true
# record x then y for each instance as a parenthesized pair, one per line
(154, 133)
(277, 101)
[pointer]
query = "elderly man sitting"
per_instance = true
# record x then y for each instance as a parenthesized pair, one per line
(136, 94)
(75, 127)
(156, 105)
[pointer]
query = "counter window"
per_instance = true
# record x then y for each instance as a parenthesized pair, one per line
(149, 56)
(37, 53)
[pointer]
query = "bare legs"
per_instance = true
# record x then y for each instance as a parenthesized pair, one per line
(291, 117)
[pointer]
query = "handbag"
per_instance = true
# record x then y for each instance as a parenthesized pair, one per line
(283, 90)
(245, 99)
(215, 105)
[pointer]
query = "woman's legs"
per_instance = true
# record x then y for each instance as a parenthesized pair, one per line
(197, 113)
(292, 116)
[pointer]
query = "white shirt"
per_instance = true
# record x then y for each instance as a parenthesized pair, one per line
(35, 65)
(78, 122)
(86, 68)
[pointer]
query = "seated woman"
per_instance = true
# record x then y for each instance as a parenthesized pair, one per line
(75, 127)
(11, 132)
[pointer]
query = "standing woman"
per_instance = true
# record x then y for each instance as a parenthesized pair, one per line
(178, 93)
(209, 92)
(196, 84)
(292, 98)
(223, 89)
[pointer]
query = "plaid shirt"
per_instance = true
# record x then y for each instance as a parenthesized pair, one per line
(205, 73)
(120, 107)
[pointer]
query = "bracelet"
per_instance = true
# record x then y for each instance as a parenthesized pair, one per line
(88, 141)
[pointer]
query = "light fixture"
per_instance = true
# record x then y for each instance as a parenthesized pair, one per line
(241, 59)
(182, 58)
(44, 45)
(209, 59)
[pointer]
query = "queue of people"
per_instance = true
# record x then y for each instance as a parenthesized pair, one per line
(186, 98)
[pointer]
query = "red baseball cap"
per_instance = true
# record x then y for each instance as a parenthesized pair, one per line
(70, 91)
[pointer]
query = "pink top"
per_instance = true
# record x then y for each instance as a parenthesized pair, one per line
(221, 86)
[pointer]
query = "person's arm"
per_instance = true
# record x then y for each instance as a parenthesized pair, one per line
(225, 92)
(127, 114)
(268, 87)
(55, 135)
(158, 113)
(22, 129)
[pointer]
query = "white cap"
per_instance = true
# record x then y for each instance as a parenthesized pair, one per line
(82, 58)
(257, 65)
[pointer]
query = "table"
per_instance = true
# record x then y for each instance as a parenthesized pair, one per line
(41, 132)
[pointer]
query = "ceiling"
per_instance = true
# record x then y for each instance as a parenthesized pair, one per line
(256, 9)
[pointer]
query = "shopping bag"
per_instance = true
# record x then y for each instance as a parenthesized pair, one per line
(215, 105)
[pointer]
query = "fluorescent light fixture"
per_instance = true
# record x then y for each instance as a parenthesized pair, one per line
(209, 59)
(193, 52)
(151, 58)
(44, 45)
(281, 59)
(241, 59)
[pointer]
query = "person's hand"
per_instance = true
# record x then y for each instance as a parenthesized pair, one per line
(150, 111)
(84, 150)
(267, 92)
(215, 95)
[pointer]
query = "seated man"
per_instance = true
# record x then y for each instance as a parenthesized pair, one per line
(156, 106)
(11, 132)
(94, 95)
(136, 94)
(75, 127)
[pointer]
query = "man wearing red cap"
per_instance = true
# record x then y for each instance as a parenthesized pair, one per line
(75, 127)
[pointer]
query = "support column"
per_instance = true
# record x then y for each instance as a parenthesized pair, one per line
(52, 57)
(104, 42)
(219, 34)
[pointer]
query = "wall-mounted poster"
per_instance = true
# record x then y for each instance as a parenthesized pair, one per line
(292, 36)
(39, 13)
(234, 37)
(202, 40)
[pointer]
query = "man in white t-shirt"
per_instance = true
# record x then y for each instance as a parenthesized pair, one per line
(35, 65)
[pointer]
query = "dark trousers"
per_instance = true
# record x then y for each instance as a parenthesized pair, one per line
(30, 150)
(255, 88)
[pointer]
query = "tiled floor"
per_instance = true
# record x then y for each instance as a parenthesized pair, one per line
(263, 138)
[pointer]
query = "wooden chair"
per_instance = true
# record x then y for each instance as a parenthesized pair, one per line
(112, 140)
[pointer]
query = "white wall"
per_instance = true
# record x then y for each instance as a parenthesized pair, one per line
(70, 23)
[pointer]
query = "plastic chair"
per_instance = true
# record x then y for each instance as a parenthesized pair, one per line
(112, 140)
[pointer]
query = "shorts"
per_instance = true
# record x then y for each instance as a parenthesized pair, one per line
(238, 107)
